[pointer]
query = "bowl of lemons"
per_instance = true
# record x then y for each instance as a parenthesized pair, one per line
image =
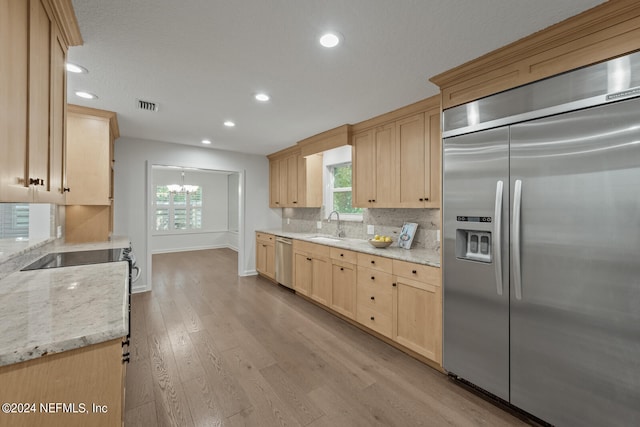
(380, 241)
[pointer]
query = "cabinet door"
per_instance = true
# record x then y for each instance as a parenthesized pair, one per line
(261, 257)
(343, 289)
(39, 93)
(386, 193)
(14, 48)
(413, 160)
(364, 173)
(270, 261)
(88, 162)
(274, 184)
(283, 177)
(433, 143)
(58, 116)
(417, 318)
(303, 273)
(292, 181)
(321, 281)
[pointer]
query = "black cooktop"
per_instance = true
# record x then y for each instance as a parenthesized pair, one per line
(68, 259)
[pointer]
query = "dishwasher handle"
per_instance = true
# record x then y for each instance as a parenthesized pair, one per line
(283, 240)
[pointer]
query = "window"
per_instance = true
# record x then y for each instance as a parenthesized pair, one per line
(175, 211)
(341, 194)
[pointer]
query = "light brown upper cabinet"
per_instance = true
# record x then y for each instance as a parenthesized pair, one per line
(374, 167)
(34, 38)
(90, 137)
(295, 181)
(396, 158)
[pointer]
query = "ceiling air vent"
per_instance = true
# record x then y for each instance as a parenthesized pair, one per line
(147, 105)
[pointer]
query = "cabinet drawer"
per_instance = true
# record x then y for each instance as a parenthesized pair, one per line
(265, 237)
(375, 262)
(375, 298)
(380, 323)
(311, 248)
(344, 255)
(420, 272)
(375, 279)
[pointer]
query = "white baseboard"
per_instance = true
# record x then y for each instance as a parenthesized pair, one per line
(249, 273)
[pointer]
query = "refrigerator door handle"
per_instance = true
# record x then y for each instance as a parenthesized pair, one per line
(497, 237)
(517, 274)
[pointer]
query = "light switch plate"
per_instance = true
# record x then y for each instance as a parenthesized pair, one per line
(319, 225)
(370, 229)
(288, 221)
(437, 235)
(59, 231)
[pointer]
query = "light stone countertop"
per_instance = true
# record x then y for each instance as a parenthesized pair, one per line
(59, 309)
(418, 256)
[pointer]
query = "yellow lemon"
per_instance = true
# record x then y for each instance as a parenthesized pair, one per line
(376, 237)
(387, 239)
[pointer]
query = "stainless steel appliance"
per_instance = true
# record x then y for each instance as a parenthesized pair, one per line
(284, 262)
(541, 250)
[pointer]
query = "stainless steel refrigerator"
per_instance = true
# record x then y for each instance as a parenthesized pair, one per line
(541, 250)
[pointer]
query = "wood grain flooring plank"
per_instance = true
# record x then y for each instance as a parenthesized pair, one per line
(303, 409)
(204, 406)
(187, 360)
(171, 403)
(228, 391)
(139, 384)
(141, 416)
(340, 411)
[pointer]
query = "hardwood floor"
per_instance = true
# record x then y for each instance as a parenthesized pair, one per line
(209, 348)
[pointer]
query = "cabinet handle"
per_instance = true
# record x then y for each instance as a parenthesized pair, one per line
(264, 246)
(370, 200)
(426, 199)
(421, 199)
(373, 278)
(373, 318)
(66, 190)
(295, 202)
(125, 342)
(308, 259)
(341, 254)
(373, 262)
(393, 284)
(374, 200)
(125, 360)
(36, 181)
(373, 298)
(277, 203)
(414, 271)
(341, 268)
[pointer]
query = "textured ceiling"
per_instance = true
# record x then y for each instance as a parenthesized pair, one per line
(203, 60)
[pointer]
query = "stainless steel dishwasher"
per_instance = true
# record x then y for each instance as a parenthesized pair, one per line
(284, 262)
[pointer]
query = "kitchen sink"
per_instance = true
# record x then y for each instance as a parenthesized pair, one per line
(325, 239)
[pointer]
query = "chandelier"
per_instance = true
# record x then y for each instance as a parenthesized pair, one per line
(182, 188)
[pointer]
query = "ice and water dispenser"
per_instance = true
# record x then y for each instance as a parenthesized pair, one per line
(474, 245)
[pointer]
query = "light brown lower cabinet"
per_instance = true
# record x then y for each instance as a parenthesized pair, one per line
(78, 387)
(399, 300)
(343, 288)
(418, 314)
(266, 255)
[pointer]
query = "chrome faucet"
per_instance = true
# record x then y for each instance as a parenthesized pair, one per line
(339, 232)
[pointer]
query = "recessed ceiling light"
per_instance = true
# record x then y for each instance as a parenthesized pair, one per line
(229, 124)
(85, 95)
(206, 141)
(263, 97)
(73, 68)
(330, 40)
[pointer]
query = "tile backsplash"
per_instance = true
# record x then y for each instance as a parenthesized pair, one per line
(385, 222)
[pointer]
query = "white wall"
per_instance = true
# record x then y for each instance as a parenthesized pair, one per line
(215, 211)
(132, 158)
